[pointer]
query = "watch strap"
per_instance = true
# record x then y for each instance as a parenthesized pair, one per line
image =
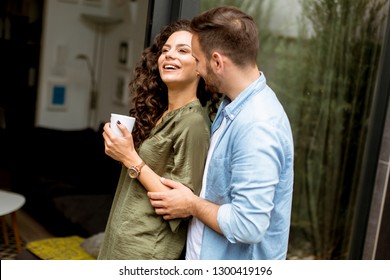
(139, 166)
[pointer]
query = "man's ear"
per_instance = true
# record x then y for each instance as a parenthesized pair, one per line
(217, 61)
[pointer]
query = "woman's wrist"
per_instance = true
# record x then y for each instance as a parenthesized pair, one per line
(132, 160)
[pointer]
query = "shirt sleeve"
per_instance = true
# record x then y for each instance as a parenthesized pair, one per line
(255, 167)
(192, 135)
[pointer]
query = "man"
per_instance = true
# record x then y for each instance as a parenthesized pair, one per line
(244, 208)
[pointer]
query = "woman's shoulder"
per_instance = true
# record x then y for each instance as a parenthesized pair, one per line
(196, 116)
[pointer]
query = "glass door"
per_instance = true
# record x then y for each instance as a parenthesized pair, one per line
(321, 58)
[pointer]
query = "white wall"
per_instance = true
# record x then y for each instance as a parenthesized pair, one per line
(66, 33)
(133, 30)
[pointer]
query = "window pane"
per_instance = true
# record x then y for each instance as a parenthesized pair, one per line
(321, 59)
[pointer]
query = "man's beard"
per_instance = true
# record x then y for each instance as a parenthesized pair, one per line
(211, 80)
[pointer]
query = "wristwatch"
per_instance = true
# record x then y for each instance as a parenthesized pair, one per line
(134, 171)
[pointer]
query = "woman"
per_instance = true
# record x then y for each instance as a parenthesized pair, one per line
(170, 138)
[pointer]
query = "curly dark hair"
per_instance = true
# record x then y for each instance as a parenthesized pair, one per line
(150, 94)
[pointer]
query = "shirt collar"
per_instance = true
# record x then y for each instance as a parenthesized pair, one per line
(230, 109)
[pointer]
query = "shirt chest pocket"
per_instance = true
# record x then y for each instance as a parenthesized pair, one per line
(219, 180)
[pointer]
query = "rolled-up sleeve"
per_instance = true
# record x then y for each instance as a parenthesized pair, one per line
(255, 166)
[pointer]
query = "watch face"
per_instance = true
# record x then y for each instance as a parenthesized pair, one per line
(133, 173)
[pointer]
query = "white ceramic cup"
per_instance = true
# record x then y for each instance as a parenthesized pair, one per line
(125, 120)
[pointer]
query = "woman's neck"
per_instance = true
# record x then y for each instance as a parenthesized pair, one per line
(176, 101)
(180, 98)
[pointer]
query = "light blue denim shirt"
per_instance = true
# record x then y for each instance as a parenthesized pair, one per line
(251, 176)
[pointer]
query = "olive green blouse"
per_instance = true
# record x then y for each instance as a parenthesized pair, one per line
(176, 149)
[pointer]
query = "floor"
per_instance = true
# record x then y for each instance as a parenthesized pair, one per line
(29, 229)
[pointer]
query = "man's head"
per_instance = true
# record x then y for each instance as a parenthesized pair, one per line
(229, 31)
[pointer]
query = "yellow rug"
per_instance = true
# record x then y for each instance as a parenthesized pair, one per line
(59, 248)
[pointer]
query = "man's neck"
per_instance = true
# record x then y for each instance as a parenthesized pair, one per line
(239, 80)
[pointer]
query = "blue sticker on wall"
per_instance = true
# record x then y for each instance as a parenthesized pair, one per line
(58, 96)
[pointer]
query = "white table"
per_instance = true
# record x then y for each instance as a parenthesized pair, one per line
(10, 202)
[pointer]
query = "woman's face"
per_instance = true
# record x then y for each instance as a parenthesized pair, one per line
(176, 64)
